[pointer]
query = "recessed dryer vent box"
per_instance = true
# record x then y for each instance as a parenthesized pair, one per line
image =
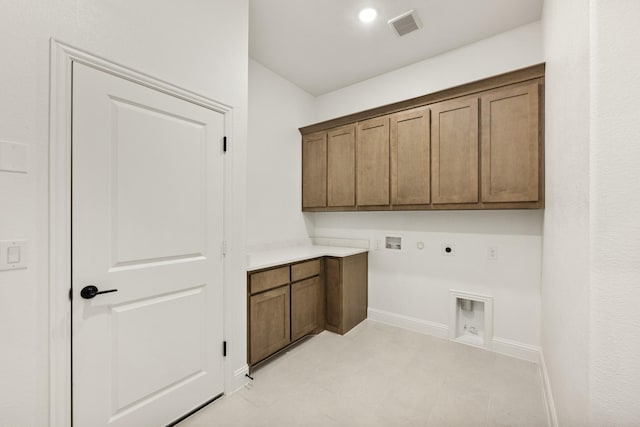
(393, 242)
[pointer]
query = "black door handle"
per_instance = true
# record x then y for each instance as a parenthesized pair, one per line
(91, 291)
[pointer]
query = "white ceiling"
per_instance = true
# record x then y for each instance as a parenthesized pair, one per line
(320, 45)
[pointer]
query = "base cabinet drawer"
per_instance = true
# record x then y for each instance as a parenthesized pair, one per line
(269, 279)
(269, 323)
(305, 269)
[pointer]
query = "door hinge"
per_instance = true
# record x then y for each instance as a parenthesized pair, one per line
(224, 349)
(70, 294)
(224, 144)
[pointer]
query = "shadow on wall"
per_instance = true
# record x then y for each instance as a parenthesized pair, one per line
(506, 222)
(309, 223)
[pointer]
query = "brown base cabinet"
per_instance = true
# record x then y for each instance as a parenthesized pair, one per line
(288, 302)
(346, 282)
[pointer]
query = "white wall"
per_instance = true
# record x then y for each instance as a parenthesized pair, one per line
(276, 109)
(615, 219)
(508, 51)
(199, 45)
(590, 292)
(416, 283)
(565, 277)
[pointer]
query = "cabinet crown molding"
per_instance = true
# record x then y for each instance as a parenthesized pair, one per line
(508, 78)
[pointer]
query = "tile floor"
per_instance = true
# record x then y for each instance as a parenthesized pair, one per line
(380, 375)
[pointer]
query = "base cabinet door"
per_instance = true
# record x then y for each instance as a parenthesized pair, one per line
(270, 322)
(306, 307)
(333, 287)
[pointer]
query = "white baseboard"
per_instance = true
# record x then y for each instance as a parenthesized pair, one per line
(238, 381)
(411, 323)
(552, 418)
(499, 345)
(516, 349)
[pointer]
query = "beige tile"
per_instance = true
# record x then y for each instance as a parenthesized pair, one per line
(380, 375)
(461, 402)
(516, 411)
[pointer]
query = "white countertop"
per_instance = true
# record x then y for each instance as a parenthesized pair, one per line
(274, 257)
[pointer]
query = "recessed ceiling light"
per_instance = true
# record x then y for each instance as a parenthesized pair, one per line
(367, 15)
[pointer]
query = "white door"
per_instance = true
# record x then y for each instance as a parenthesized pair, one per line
(147, 220)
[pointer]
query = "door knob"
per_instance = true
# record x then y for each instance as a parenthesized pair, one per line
(91, 291)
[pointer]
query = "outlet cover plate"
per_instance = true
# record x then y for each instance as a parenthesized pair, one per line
(14, 251)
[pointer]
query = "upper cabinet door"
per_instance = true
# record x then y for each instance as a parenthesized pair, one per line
(373, 162)
(341, 167)
(510, 148)
(410, 150)
(314, 170)
(454, 153)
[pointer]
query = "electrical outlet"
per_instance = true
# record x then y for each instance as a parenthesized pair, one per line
(448, 249)
(492, 253)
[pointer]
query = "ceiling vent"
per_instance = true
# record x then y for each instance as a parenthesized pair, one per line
(405, 23)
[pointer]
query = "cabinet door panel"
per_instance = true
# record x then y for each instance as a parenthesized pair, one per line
(270, 323)
(454, 155)
(341, 167)
(333, 289)
(510, 149)
(314, 170)
(410, 151)
(305, 307)
(373, 162)
(354, 290)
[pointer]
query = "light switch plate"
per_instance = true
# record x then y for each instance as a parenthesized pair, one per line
(13, 254)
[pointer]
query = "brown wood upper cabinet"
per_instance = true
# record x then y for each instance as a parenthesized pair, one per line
(454, 155)
(410, 148)
(314, 170)
(341, 167)
(476, 146)
(373, 162)
(510, 144)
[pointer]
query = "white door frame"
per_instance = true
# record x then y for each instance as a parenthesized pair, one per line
(61, 59)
